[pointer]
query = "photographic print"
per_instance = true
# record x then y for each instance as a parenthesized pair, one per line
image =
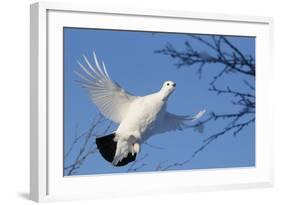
(140, 101)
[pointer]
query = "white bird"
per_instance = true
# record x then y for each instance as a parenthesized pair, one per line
(139, 117)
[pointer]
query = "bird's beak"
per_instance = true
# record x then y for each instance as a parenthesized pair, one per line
(174, 85)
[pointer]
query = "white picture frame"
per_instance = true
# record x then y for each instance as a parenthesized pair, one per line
(46, 176)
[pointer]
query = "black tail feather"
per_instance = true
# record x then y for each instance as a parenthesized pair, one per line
(107, 148)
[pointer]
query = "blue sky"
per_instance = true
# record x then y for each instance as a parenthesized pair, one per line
(131, 61)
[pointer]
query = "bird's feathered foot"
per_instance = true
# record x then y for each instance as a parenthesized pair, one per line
(107, 147)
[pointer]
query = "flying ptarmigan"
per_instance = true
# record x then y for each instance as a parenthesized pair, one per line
(139, 117)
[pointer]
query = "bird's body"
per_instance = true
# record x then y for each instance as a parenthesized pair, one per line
(139, 117)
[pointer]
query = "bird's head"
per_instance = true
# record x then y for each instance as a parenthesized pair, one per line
(167, 89)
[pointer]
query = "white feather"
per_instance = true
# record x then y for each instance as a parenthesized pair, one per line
(110, 98)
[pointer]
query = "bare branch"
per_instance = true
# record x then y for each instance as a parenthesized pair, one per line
(229, 91)
(173, 165)
(139, 162)
(153, 146)
(232, 60)
(87, 147)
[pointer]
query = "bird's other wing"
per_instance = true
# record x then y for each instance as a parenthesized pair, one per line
(172, 122)
(112, 100)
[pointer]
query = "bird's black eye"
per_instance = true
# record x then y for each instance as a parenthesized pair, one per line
(168, 84)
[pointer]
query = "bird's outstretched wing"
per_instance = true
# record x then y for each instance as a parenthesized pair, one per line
(172, 122)
(112, 100)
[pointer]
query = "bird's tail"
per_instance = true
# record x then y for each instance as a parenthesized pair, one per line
(107, 148)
